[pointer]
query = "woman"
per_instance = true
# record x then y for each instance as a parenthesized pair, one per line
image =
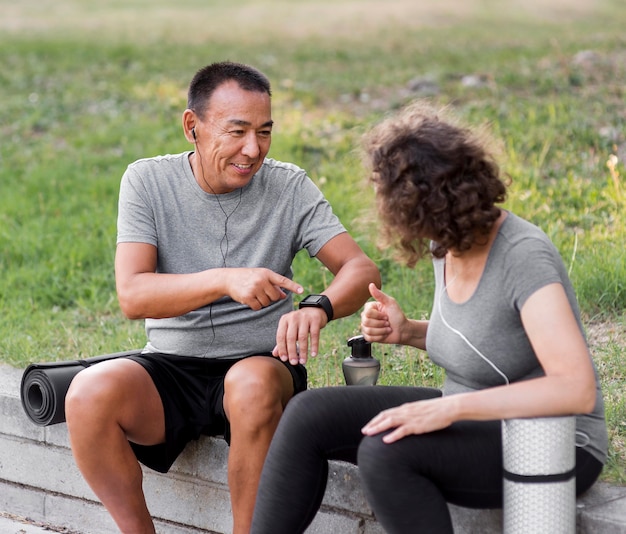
(504, 325)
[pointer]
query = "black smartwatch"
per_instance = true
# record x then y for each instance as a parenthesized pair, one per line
(318, 301)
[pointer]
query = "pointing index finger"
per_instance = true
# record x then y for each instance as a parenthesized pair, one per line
(286, 283)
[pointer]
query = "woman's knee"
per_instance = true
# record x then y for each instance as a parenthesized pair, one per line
(311, 400)
(372, 454)
(301, 413)
(378, 459)
(314, 418)
(322, 410)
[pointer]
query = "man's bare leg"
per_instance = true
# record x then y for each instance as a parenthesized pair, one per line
(256, 391)
(106, 405)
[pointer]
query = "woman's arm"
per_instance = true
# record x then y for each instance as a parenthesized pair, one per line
(568, 386)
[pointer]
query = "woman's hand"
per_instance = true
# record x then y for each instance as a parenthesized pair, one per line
(382, 320)
(418, 417)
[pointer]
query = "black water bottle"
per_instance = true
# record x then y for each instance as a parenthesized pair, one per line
(360, 368)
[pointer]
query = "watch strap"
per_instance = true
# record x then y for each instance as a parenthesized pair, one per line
(318, 301)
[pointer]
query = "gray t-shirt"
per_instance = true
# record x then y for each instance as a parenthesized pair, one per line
(264, 224)
(521, 261)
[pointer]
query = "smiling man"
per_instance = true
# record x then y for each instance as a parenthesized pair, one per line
(205, 244)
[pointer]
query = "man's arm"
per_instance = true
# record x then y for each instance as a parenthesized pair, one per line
(298, 331)
(353, 271)
(143, 293)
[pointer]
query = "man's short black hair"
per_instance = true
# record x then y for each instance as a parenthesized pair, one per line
(209, 78)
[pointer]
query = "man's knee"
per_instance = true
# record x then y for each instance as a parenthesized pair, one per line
(257, 390)
(89, 391)
(103, 389)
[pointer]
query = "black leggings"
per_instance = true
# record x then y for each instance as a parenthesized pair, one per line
(407, 483)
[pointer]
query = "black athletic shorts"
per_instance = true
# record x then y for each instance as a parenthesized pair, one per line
(192, 392)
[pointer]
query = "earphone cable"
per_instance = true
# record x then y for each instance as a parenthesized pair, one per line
(223, 252)
(462, 336)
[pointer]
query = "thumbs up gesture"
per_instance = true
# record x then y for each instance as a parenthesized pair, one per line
(382, 320)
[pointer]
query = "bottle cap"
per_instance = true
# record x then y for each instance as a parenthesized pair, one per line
(360, 347)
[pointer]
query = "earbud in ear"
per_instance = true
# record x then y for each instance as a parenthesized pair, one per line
(193, 132)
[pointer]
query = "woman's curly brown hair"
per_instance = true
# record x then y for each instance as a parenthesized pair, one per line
(434, 181)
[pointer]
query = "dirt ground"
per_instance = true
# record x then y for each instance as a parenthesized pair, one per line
(602, 332)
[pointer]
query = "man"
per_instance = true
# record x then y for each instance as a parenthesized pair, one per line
(205, 244)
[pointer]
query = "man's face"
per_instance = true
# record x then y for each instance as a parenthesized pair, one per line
(233, 137)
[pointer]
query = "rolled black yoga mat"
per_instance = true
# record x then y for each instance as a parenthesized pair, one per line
(44, 386)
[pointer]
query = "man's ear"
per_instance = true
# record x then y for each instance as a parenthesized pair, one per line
(189, 124)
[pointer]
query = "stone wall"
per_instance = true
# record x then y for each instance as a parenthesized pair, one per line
(39, 480)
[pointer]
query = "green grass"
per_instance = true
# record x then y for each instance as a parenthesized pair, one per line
(88, 87)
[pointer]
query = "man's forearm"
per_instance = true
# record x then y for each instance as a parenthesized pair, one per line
(160, 295)
(349, 289)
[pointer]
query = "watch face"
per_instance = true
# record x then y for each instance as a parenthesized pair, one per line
(313, 299)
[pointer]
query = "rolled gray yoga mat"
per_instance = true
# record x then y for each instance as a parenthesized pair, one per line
(44, 386)
(539, 458)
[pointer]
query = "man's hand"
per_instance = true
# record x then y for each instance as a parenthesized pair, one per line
(259, 287)
(298, 335)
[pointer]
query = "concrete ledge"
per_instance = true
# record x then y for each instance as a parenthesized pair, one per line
(38, 479)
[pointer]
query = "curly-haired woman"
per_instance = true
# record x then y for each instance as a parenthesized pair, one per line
(504, 325)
